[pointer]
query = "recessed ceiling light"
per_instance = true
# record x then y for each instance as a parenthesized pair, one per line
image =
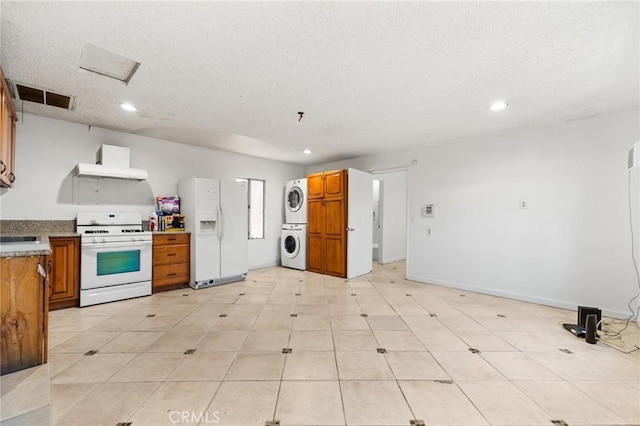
(497, 106)
(129, 107)
(306, 151)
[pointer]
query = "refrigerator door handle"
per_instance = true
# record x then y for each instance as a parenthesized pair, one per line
(221, 232)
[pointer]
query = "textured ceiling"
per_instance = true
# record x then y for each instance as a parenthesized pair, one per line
(370, 77)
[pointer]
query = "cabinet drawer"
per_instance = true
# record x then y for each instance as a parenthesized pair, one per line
(169, 239)
(170, 274)
(170, 255)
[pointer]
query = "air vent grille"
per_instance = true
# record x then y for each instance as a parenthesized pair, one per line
(41, 96)
(30, 94)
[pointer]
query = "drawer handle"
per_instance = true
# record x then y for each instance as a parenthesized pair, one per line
(173, 274)
(4, 166)
(171, 254)
(12, 177)
(171, 239)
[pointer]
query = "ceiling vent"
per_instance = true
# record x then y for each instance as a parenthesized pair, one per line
(23, 92)
(108, 64)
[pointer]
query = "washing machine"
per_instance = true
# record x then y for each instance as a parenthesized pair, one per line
(296, 201)
(293, 246)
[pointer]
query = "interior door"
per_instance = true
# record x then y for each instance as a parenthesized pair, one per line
(360, 232)
(234, 233)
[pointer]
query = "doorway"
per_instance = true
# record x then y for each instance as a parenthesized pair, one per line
(389, 215)
(376, 223)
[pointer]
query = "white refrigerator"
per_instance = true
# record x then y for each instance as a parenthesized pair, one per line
(216, 215)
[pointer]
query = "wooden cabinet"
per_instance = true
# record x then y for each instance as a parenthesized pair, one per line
(7, 135)
(64, 268)
(326, 223)
(23, 309)
(170, 261)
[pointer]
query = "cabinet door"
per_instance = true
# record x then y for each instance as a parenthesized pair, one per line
(22, 313)
(65, 260)
(315, 230)
(8, 139)
(315, 186)
(335, 256)
(334, 183)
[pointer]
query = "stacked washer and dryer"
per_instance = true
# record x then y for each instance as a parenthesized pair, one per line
(293, 244)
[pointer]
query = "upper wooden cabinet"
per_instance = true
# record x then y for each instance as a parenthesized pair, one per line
(7, 135)
(326, 184)
(64, 282)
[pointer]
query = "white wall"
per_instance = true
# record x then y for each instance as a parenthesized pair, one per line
(47, 152)
(570, 247)
(394, 215)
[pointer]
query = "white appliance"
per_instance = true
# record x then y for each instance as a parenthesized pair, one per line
(216, 214)
(113, 162)
(296, 201)
(293, 246)
(115, 257)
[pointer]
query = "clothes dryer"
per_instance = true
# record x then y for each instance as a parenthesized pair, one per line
(296, 201)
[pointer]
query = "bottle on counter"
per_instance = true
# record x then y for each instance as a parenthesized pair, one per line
(153, 222)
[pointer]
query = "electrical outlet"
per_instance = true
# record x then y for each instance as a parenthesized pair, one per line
(524, 204)
(428, 231)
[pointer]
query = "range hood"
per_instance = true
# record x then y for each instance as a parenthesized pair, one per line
(113, 163)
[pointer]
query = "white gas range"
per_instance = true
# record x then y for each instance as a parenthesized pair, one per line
(116, 257)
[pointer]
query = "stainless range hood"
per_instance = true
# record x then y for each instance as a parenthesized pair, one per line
(113, 163)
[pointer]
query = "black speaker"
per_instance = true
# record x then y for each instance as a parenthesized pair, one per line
(590, 334)
(583, 311)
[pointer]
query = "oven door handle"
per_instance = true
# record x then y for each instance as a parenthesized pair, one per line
(119, 244)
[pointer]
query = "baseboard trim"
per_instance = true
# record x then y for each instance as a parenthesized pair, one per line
(393, 259)
(572, 306)
(264, 265)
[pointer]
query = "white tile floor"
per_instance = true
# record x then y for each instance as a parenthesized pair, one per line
(335, 374)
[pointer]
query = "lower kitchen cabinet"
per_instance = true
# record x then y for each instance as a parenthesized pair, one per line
(64, 269)
(23, 309)
(170, 261)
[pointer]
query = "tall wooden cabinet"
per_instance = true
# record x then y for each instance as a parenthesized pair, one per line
(23, 310)
(64, 281)
(326, 223)
(170, 261)
(7, 134)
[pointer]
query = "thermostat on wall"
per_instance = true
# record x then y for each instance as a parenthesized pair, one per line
(429, 210)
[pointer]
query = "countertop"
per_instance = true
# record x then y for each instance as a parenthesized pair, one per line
(26, 249)
(169, 232)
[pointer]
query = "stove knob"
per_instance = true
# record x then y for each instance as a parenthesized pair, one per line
(104, 240)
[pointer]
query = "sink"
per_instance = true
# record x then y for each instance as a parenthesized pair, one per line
(19, 239)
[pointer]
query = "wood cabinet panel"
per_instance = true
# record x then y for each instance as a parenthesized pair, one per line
(315, 253)
(315, 186)
(168, 255)
(334, 217)
(315, 217)
(334, 183)
(335, 258)
(22, 309)
(169, 275)
(170, 261)
(64, 281)
(170, 239)
(7, 135)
